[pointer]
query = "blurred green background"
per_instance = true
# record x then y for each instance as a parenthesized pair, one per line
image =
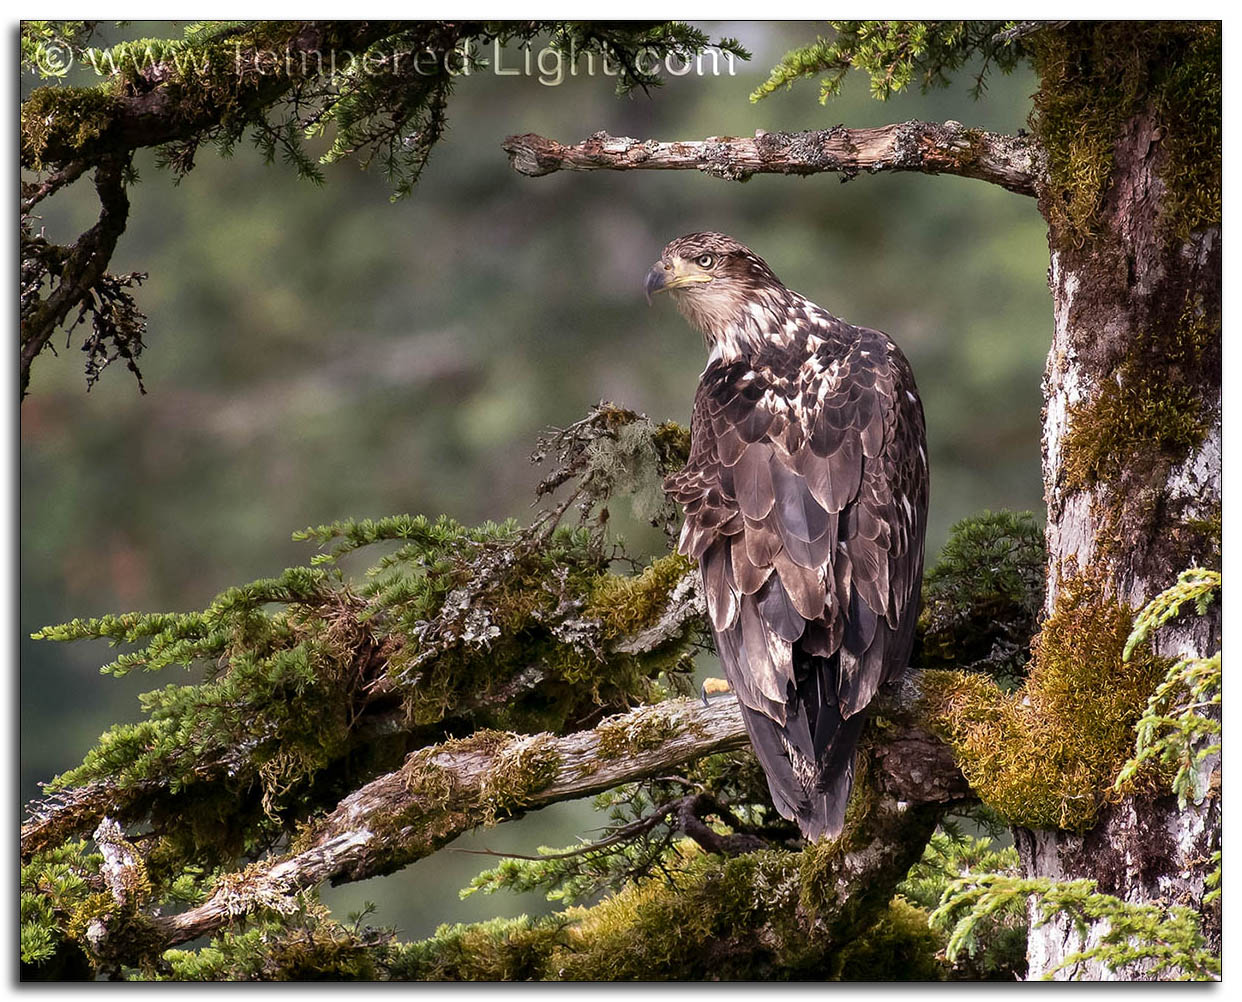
(321, 353)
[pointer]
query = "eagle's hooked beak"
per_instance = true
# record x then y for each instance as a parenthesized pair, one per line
(655, 281)
(666, 275)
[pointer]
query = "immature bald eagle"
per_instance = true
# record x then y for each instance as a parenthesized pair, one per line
(806, 504)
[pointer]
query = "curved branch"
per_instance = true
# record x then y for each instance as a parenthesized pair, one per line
(443, 791)
(33, 192)
(77, 268)
(1016, 163)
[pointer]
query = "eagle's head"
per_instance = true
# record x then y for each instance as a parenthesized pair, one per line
(718, 283)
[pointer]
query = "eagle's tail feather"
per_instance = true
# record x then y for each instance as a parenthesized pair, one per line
(808, 760)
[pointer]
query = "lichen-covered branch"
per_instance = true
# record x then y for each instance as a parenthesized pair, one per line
(443, 791)
(515, 630)
(1013, 162)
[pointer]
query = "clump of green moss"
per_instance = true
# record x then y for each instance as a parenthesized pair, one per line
(721, 920)
(982, 600)
(635, 733)
(672, 441)
(522, 768)
(1149, 410)
(76, 116)
(624, 605)
(305, 946)
(1094, 77)
(900, 946)
(711, 919)
(503, 949)
(1045, 755)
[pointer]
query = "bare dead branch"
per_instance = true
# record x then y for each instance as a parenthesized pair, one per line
(33, 192)
(1016, 163)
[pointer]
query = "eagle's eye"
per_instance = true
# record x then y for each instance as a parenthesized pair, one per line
(705, 260)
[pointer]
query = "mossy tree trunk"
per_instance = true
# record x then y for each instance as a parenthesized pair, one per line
(1132, 454)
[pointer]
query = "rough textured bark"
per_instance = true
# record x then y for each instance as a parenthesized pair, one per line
(1130, 504)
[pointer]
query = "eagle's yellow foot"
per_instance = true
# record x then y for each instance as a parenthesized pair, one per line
(713, 687)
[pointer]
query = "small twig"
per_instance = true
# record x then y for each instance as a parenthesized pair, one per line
(86, 261)
(34, 192)
(1024, 29)
(623, 834)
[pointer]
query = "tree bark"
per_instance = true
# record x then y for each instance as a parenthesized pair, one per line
(1135, 345)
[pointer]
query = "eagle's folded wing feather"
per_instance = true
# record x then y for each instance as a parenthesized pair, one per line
(805, 497)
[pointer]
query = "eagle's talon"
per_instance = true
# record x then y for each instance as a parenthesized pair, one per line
(713, 687)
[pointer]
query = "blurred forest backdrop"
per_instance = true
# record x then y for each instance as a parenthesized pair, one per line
(319, 353)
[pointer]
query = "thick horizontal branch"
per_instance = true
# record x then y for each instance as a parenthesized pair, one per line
(1013, 162)
(443, 791)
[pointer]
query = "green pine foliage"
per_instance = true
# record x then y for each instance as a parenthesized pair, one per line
(1181, 727)
(378, 91)
(896, 54)
(1164, 943)
(485, 625)
(983, 599)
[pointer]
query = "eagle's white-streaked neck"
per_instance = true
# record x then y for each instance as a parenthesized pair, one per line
(736, 325)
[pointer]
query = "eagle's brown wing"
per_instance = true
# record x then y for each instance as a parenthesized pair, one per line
(806, 498)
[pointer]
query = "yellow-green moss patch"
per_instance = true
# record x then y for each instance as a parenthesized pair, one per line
(1149, 409)
(636, 732)
(1045, 755)
(627, 604)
